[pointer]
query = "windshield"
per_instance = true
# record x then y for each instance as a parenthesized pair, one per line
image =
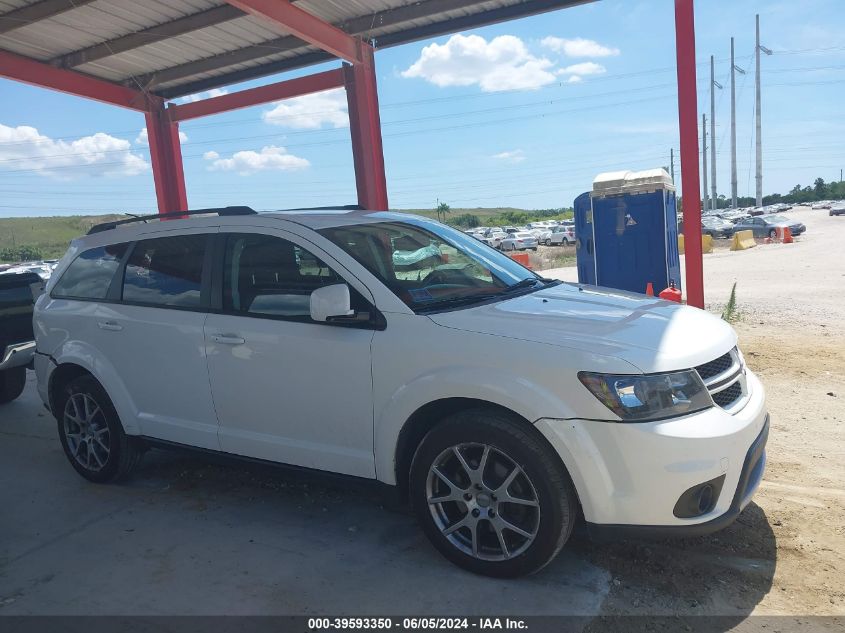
(430, 266)
(776, 218)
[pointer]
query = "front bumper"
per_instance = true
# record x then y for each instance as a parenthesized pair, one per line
(632, 475)
(17, 355)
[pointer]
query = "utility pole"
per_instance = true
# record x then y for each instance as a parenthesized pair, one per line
(672, 164)
(714, 198)
(734, 69)
(704, 155)
(759, 136)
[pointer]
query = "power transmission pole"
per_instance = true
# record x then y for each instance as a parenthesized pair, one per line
(757, 116)
(734, 70)
(704, 155)
(714, 204)
(672, 164)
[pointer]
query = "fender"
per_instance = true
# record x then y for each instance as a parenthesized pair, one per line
(495, 385)
(84, 355)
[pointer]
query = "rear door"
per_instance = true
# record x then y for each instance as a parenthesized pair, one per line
(152, 333)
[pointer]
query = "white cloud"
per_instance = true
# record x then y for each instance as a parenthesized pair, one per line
(199, 96)
(584, 68)
(503, 63)
(578, 47)
(23, 147)
(143, 137)
(248, 161)
(512, 156)
(575, 79)
(310, 112)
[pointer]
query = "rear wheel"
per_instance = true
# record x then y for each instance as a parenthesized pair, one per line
(491, 496)
(548, 242)
(773, 233)
(12, 383)
(91, 433)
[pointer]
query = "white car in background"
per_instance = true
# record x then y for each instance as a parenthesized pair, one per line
(391, 348)
(562, 234)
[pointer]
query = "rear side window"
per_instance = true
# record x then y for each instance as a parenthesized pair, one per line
(90, 274)
(166, 271)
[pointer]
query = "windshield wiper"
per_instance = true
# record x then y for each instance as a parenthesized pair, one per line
(455, 301)
(528, 282)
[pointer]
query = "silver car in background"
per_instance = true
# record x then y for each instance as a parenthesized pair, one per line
(520, 241)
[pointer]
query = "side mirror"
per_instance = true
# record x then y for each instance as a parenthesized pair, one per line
(330, 302)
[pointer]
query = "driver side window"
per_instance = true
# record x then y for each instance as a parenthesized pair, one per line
(269, 276)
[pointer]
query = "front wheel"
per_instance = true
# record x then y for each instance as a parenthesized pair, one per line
(12, 383)
(91, 433)
(548, 242)
(491, 495)
(773, 234)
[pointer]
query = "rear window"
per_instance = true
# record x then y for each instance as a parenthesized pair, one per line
(166, 271)
(90, 274)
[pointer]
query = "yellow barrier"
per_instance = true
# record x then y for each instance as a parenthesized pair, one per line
(706, 243)
(743, 240)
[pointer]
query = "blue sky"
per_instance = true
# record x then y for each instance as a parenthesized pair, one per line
(521, 114)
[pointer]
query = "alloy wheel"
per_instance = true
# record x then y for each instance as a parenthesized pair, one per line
(483, 502)
(87, 432)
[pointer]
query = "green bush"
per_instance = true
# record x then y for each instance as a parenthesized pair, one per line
(466, 220)
(21, 253)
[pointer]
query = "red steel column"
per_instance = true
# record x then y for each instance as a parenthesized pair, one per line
(365, 130)
(688, 120)
(166, 157)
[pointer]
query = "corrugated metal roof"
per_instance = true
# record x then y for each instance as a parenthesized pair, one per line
(174, 47)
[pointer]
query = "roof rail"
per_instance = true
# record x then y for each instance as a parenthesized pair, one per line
(334, 207)
(222, 211)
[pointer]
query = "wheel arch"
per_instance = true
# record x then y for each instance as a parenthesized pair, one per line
(430, 414)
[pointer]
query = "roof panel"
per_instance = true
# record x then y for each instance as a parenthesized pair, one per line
(193, 54)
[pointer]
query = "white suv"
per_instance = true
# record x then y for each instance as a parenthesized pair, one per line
(392, 348)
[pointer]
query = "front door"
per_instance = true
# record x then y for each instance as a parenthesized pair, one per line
(288, 389)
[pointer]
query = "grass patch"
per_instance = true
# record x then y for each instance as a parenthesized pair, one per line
(49, 235)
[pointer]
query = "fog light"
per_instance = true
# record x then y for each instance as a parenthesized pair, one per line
(700, 499)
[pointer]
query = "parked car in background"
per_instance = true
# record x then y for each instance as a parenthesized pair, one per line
(18, 292)
(503, 405)
(519, 242)
(821, 205)
(837, 209)
(564, 235)
(493, 237)
(768, 225)
(715, 226)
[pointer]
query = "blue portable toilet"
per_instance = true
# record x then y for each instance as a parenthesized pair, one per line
(626, 232)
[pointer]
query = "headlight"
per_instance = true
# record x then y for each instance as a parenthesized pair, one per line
(644, 398)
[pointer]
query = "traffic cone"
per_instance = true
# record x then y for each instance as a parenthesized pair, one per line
(787, 235)
(649, 289)
(671, 293)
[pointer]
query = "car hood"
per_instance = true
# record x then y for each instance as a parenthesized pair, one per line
(650, 333)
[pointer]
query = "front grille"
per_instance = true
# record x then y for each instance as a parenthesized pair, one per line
(724, 378)
(715, 367)
(727, 397)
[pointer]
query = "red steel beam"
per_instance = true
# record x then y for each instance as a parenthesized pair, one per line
(256, 96)
(166, 157)
(365, 130)
(306, 26)
(35, 73)
(688, 121)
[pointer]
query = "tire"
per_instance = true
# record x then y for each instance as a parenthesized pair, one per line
(565, 242)
(548, 242)
(91, 433)
(541, 479)
(773, 233)
(12, 383)
(534, 248)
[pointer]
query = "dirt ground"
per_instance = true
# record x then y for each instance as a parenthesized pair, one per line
(786, 553)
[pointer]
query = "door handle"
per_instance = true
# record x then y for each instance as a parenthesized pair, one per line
(228, 339)
(111, 326)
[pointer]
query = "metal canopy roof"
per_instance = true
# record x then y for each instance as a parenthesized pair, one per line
(173, 48)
